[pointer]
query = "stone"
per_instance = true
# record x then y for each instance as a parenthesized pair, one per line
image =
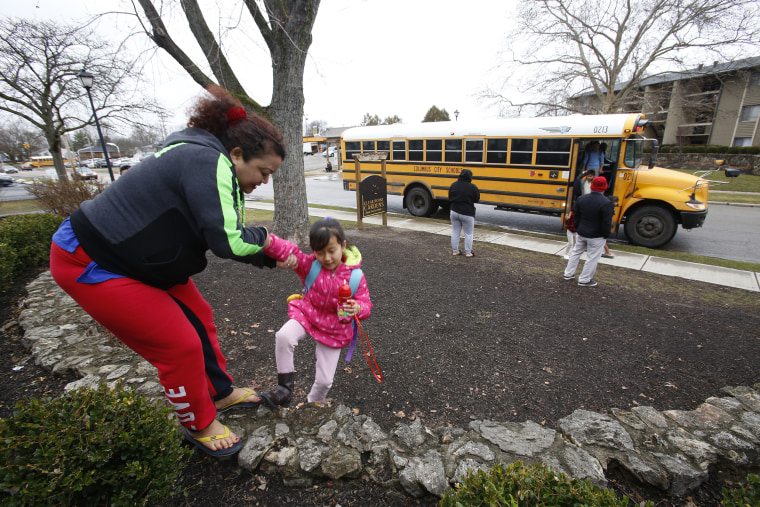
(525, 439)
(590, 428)
(671, 451)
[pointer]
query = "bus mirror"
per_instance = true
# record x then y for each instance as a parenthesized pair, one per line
(732, 172)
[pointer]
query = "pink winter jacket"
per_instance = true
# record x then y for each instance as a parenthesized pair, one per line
(317, 312)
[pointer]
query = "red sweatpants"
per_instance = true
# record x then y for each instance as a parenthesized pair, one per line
(172, 329)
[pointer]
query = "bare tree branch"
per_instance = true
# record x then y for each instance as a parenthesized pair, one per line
(607, 47)
(39, 63)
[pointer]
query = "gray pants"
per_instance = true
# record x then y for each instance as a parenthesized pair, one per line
(459, 223)
(594, 248)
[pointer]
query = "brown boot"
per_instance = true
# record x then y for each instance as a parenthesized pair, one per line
(280, 395)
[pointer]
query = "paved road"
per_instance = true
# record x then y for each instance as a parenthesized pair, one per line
(730, 232)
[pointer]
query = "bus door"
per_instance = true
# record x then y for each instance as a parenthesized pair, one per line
(629, 158)
(574, 172)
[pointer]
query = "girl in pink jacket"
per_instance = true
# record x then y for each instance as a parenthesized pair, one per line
(316, 314)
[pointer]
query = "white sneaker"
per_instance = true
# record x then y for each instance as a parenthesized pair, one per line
(566, 257)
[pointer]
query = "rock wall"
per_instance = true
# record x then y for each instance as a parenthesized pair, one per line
(669, 450)
(750, 164)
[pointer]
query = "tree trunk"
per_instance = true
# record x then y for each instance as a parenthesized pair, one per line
(54, 145)
(291, 216)
(289, 51)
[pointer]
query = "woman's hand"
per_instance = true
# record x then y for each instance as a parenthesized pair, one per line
(290, 263)
(268, 241)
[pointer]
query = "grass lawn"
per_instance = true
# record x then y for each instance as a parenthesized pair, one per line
(744, 183)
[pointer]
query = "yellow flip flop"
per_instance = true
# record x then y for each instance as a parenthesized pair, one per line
(240, 402)
(198, 442)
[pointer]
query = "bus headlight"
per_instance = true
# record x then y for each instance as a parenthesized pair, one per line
(699, 206)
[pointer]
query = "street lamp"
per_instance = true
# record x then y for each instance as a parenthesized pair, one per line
(456, 115)
(86, 78)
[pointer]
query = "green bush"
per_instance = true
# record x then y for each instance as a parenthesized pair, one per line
(92, 447)
(7, 266)
(518, 485)
(27, 243)
(745, 495)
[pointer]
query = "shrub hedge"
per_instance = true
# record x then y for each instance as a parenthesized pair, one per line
(526, 486)
(25, 243)
(91, 447)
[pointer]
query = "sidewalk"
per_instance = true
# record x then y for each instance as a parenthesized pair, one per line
(746, 280)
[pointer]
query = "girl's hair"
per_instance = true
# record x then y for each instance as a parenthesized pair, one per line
(251, 133)
(321, 232)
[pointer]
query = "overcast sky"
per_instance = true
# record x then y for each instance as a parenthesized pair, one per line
(383, 57)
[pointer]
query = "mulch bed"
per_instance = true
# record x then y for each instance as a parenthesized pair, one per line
(500, 336)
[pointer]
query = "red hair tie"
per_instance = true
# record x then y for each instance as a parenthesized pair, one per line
(235, 114)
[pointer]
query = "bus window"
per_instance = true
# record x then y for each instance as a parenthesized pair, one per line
(473, 150)
(497, 151)
(399, 150)
(634, 153)
(383, 146)
(353, 148)
(522, 152)
(416, 150)
(434, 151)
(368, 146)
(454, 150)
(553, 152)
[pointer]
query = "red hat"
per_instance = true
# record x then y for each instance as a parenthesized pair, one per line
(599, 184)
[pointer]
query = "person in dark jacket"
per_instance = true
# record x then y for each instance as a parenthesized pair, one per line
(593, 219)
(463, 194)
(126, 256)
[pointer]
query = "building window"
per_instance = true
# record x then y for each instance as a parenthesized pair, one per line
(754, 79)
(742, 141)
(750, 113)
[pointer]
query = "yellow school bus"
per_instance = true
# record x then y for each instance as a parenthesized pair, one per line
(41, 161)
(529, 165)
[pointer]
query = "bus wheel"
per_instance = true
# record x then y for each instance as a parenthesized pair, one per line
(420, 203)
(650, 226)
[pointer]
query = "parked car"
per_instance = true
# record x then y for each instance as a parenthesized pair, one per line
(8, 169)
(26, 167)
(6, 181)
(85, 173)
